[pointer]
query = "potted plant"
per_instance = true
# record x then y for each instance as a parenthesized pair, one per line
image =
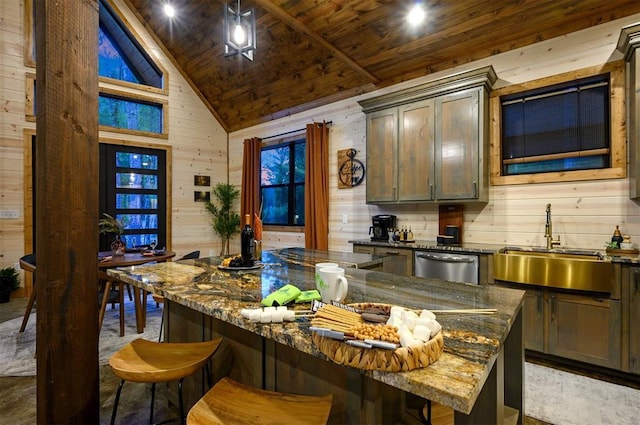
(225, 222)
(110, 224)
(9, 282)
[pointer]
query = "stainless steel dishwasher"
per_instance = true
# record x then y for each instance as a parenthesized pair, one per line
(449, 266)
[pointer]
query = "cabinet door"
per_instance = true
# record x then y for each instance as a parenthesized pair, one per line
(457, 137)
(416, 152)
(585, 329)
(634, 321)
(363, 249)
(533, 311)
(382, 138)
(397, 261)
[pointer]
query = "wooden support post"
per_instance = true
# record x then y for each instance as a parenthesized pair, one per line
(67, 211)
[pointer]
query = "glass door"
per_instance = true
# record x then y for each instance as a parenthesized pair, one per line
(133, 189)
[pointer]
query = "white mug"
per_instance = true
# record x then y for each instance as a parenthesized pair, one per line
(322, 266)
(332, 284)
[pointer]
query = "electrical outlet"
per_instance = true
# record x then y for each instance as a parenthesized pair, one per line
(211, 254)
(344, 219)
(9, 214)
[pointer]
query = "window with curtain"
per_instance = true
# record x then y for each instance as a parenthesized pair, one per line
(564, 127)
(282, 171)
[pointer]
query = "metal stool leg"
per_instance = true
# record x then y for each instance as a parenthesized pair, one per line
(161, 326)
(426, 420)
(115, 404)
(182, 416)
(153, 397)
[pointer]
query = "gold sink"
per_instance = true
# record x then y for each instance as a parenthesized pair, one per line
(585, 271)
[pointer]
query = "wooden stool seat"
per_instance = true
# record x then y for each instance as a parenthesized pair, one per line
(154, 362)
(230, 402)
(150, 361)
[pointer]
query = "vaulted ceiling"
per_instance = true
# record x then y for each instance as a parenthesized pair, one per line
(314, 52)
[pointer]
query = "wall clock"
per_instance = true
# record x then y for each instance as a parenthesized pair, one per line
(350, 170)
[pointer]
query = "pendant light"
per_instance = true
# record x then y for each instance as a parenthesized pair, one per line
(239, 31)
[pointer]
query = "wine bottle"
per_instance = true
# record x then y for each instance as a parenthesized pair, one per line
(246, 242)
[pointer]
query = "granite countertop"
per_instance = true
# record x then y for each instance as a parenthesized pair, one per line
(472, 342)
(478, 248)
(472, 248)
(309, 257)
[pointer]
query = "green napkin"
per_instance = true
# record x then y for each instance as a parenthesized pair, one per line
(282, 296)
(308, 296)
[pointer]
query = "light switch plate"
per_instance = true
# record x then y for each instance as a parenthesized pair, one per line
(9, 214)
(344, 219)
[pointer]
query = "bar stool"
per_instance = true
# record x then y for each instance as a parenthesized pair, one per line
(154, 362)
(230, 402)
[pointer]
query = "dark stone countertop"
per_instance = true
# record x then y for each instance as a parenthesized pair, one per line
(478, 248)
(472, 342)
(471, 248)
(309, 257)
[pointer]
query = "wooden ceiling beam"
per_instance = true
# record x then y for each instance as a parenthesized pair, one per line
(302, 28)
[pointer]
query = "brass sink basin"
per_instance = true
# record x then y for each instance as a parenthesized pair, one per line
(585, 271)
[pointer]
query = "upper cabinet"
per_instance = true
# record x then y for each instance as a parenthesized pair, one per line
(430, 142)
(628, 43)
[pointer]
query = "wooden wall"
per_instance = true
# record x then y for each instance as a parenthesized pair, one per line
(197, 142)
(584, 213)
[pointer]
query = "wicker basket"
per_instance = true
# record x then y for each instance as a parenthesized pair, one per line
(400, 359)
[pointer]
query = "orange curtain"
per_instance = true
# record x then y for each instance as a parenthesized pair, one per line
(250, 198)
(316, 181)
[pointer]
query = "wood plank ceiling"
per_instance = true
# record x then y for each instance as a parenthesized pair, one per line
(314, 52)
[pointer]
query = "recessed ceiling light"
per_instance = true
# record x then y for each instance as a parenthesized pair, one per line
(169, 10)
(416, 15)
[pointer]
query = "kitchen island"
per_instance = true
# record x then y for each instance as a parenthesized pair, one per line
(479, 375)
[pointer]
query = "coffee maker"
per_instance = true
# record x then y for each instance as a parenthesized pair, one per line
(381, 224)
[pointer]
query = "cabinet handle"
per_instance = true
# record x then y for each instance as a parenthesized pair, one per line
(431, 191)
(392, 252)
(553, 304)
(636, 280)
(475, 189)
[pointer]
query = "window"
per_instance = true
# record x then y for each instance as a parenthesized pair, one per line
(120, 56)
(562, 128)
(119, 112)
(133, 189)
(282, 170)
(122, 61)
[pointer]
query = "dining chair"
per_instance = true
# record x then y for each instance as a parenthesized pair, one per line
(159, 299)
(110, 292)
(28, 264)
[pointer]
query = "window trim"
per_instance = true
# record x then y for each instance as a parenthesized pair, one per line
(30, 97)
(618, 145)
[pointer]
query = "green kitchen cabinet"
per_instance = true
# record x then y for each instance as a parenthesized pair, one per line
(397, 260)
(580, 326)
(634, 320)
(430, 143)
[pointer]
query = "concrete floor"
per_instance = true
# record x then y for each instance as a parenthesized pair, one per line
(18, 394)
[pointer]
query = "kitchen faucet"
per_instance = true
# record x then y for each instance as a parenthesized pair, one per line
(548, 232)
